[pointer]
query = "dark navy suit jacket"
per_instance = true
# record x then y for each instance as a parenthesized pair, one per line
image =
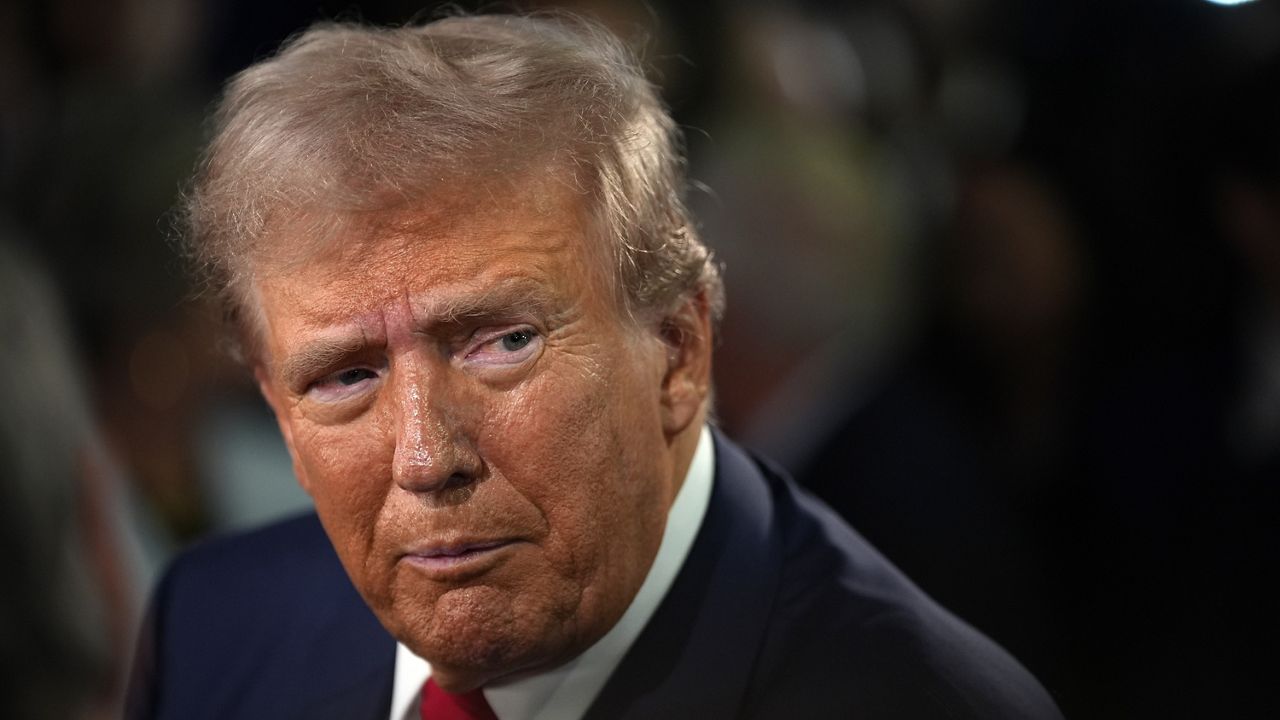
(781, 610)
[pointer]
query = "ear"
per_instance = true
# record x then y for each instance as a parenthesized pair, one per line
(263, 377)
(686, 335)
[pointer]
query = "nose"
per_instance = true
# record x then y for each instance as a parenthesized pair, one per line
(433, 451)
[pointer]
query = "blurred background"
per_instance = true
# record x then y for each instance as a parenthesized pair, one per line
(1004, 288)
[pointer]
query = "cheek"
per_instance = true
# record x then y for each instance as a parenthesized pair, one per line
(348, 474)
(582, 445)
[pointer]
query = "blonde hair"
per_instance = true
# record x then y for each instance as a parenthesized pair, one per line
(347, 120)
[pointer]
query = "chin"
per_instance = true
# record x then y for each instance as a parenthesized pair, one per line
(476, 634)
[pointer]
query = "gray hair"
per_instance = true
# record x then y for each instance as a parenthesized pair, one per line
(348, 120)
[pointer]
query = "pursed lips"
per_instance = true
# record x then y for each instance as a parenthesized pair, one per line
(455, 561)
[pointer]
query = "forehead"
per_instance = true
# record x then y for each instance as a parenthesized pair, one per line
(435, 253)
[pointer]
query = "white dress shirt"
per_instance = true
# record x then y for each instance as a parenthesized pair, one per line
(565, 692)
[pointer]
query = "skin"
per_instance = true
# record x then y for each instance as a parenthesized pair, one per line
(491, 444)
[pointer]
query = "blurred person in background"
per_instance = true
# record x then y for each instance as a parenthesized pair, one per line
(954, 461)
(69, 600)
(818, 200)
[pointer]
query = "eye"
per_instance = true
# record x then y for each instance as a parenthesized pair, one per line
(342, 385)
(354, 376)
(516, 340)
(505, 347)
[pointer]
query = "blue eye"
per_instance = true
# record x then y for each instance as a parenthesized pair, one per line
(513, 341)
(505, 347)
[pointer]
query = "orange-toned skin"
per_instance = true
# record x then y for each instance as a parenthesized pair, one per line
(463, 378)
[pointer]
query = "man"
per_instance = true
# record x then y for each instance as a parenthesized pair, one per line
(469, 290)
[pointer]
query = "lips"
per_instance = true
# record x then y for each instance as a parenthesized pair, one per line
(458, 560)
(459, 550)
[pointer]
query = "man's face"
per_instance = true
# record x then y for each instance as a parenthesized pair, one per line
(480, 429)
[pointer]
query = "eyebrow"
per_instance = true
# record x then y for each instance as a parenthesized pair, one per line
(316, 357)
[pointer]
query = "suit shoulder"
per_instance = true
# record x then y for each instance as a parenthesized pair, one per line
(250, 572)
(846, 620)
(293, 545)
(255, 624)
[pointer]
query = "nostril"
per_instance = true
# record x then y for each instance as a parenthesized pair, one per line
(457, 481)
(454, 491)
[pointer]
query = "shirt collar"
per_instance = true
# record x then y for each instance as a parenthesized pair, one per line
(568, 690)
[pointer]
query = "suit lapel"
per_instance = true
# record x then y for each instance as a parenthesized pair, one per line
(695, 657)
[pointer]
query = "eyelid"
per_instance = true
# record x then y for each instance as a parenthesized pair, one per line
(488, 336)
(328, 384)
(490, 333)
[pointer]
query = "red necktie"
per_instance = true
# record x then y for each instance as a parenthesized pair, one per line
(440, 705)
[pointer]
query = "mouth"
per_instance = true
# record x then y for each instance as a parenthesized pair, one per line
(458, 561)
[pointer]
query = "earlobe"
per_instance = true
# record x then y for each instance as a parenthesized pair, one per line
(263, 378)
(686, 335)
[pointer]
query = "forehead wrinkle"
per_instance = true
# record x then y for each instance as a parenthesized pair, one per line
(381, 244)
(457, 305)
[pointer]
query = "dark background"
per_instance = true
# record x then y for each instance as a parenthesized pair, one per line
(1004, 287)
